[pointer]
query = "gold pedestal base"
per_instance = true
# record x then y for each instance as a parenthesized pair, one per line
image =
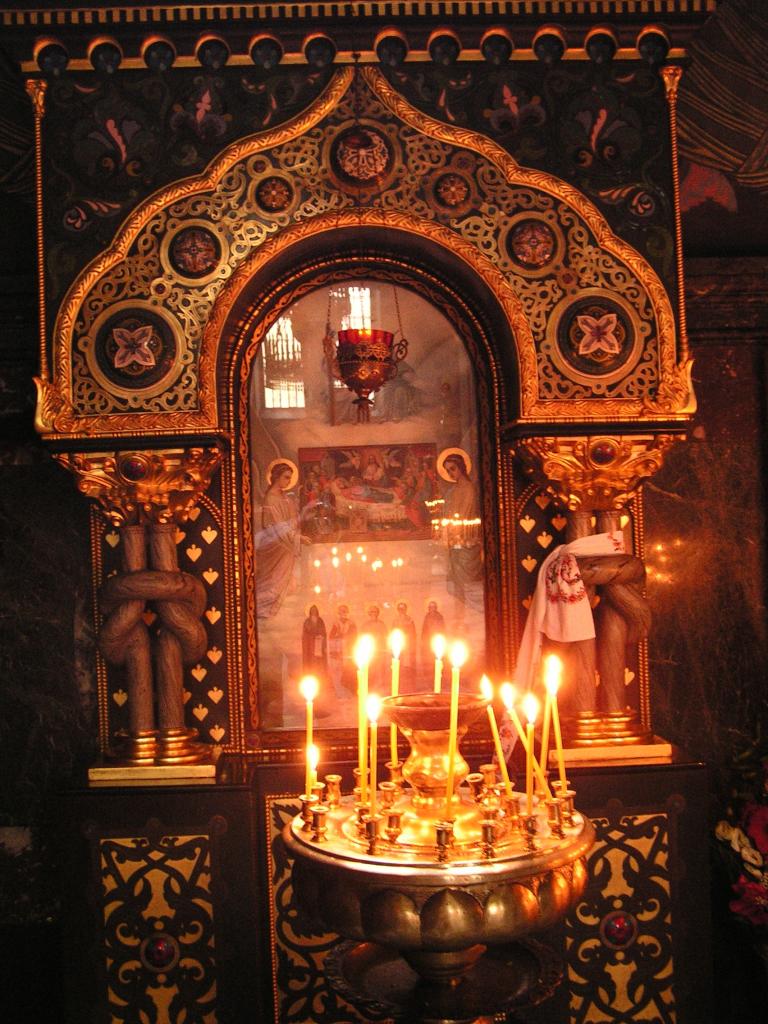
(137, 748)
(612, 728)
(164, 747)
(180, 746)
(377, 979)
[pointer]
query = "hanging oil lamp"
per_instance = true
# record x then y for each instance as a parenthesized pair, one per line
(364, 358)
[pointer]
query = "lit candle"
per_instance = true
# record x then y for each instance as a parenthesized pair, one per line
(313, 758)
(558, 737)
(438, 649)
(459, 654)
(509, 696)
(553, 669)
(308, 688)
(396, 644)
(486, 689)
(363, 653)
(373, 709)
(530, 710)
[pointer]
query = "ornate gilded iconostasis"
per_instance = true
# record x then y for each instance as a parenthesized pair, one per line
(156, 336)
(217, 210)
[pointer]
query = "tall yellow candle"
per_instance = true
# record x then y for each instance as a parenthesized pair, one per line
(438, 649)
(509, 696)
(558, 744)
(313, 759)
(486, 689)
(396, 644)
(363, 653)
(458, 656)
(373, 710)
(553, 670)
(308, 688)
(531, 710)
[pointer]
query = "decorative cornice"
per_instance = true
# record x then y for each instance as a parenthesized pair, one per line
(193, 15)
(598, 473)
(158, 486)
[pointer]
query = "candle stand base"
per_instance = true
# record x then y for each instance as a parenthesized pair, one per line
(506, 979)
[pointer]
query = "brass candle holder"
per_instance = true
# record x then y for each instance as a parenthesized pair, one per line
(435, 885)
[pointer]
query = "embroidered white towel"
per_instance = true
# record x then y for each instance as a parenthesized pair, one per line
(560, 608)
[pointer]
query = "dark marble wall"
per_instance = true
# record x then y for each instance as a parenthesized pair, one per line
(706, 529)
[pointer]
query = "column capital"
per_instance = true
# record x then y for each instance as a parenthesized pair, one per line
(156, 486)
(36, 90)
(594, 473)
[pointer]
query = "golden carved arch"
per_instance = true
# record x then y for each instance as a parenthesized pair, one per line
(662, 391)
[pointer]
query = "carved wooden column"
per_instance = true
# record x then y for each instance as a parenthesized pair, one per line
(595, 478)
(146, 495)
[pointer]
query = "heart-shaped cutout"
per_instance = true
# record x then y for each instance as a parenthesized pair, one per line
(629, 675)
(214, 655)
(179, 536)
(213, 615)
(194, 552)
(112, 538)
(200, 711)
(542, 500)
(119, 697)
(199, 672)
(215, 694)
(529, 563)
(528, 523)
(193, 514)
(209, 534)
(216, 733)
(559, 522)
(185, 695)
(210, 576)
(544, 539)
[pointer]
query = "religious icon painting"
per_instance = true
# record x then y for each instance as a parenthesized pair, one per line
(343, 531)
(368, 492)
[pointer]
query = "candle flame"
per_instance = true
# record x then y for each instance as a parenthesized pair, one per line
(373, 707)
(508, 695)
(308, 688)
(459, 653)
(530, 705)
(438, 646)
(486, 688)
(553, 670)
(396, 642)
(364, 649)
(313, 756)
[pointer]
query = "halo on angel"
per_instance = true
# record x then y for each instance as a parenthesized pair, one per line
(456, 453)
(284, 462)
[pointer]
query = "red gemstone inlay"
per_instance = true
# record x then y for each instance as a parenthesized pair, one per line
(133, 468)
(602, 453)
(161, 951)
(619, 929)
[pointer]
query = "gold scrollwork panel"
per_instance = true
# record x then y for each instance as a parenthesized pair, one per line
(156, 903)
(619, 952)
